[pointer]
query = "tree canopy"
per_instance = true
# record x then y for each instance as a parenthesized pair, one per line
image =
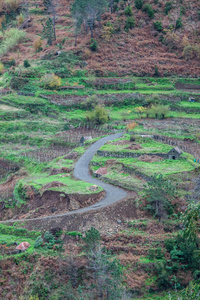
(87, 12)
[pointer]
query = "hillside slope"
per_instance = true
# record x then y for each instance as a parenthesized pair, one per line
(143, 50)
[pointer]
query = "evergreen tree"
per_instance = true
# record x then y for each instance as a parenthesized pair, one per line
(158, 193)
(50, 6)
(47, 32)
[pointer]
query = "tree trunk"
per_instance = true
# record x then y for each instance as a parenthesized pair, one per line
(92, 34)
(75, 44)
(49, 42)
(54, 25)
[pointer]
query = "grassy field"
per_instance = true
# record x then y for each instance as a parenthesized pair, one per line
(71, 186)
(147, 146)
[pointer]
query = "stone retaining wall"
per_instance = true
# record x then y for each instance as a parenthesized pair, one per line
(187, 86)
(129, 154)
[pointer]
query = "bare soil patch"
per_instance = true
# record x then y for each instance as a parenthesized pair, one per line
(121, 142)
(51, 202)
(150, 158)
(134, 147)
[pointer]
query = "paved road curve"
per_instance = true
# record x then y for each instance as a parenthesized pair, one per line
(81, 171)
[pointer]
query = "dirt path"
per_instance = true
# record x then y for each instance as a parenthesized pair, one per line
(81, 171)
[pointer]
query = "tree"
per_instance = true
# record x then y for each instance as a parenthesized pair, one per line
(158, 193)
(191, 222)
(98, 116)
(106, 271)
(86, 13)
(50, 6)
(48, 31)
(92, 240)
(140, 110)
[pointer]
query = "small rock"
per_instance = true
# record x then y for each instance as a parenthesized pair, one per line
(119, 221)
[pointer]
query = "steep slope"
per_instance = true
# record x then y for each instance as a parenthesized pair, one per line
(143, 50)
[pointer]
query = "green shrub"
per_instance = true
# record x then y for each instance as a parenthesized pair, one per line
(74, 233)
(4, 229)
(128, 11)
(130, 23)
(11, 63)
(158, 25)
(168, 7)
(198, 13)
(158, 193)
(159, 111)
(151, 254)
(179, 23)
(26, 63)
(51, 81)
(159, 253)
(182, 10)
(38, 242)
(139, 4)
(11, 39)
(93, 45)
(49, 237)
(17, 83)
(169, 244)
(149, 10)
(153, 99)
(98, 116)
(132, 138)
(1, 68)
(156, 71)
(90, 103)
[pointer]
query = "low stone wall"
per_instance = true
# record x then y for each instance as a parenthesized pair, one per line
(129, 154)
(187, 86)
(131, 171)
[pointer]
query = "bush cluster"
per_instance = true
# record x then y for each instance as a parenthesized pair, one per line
(37, 45)
(93, 45)
(11, 230)
(149, 10)
(158, 25)
(11, 39)
(98, 116)
(26, 63)
(191, 51)
(168, 7)
(130, 23)
(179, 23)
(1, 68)
(158, 111)
(51, 81)
(128, 11)
(139, 4)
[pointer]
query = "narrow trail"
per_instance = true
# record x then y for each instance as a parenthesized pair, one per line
(81, 171)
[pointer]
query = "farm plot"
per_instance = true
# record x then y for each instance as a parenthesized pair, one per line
(141, 145)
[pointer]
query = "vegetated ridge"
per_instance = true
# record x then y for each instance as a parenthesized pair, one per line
(164, 43)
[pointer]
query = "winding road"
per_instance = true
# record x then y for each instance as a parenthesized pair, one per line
(81, 171)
